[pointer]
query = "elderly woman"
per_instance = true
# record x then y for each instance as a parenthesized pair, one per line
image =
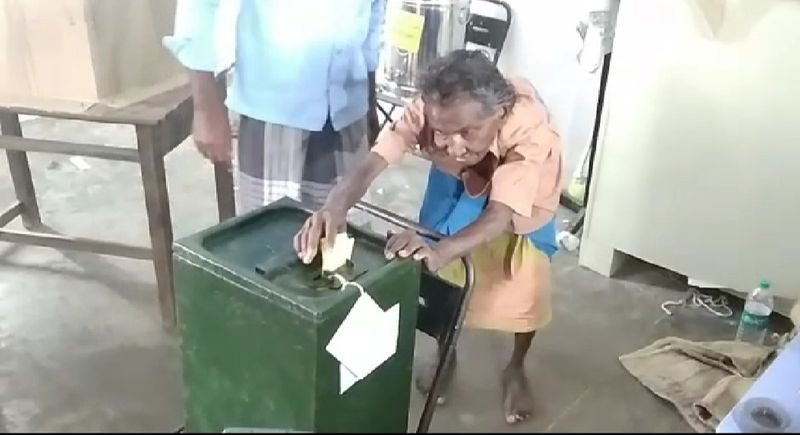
(492, 190)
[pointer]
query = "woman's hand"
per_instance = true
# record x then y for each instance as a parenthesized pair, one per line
(324, 223)
(494, 220)
(410, 244)
(330, 219)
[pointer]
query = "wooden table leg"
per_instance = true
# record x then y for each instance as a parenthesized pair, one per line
(154, 180)
(21, 173)
(223, 177)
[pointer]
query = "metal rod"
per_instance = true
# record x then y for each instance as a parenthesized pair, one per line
(69, 148)
(10, 214)
(451, 337)
(391, 99)
(449, 348)
(398, 220)
(75, 243)
(601, 97)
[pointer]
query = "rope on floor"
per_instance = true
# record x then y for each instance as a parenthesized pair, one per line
(717, 306)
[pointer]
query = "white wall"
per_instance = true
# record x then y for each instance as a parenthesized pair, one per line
(698, 168)
(543, 46)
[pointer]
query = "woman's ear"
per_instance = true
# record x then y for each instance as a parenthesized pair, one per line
(502, 112)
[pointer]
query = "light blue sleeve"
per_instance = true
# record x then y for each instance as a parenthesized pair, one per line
(192, 42)
(373, 44)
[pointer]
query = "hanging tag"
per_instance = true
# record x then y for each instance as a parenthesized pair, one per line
(364, 341)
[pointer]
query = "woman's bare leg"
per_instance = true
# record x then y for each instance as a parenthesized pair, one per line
(517, 401)
(516, 391)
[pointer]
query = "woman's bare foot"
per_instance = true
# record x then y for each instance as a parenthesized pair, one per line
(425, 379)
(517, 402)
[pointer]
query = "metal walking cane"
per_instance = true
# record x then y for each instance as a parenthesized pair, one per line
(447, 336)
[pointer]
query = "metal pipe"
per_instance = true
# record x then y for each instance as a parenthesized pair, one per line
(451, 337)
(449, 345)
(398, 220)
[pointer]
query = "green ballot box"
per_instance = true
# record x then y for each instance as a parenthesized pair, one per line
(271, 343)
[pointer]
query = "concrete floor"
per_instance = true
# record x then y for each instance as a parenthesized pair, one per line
(81, 346)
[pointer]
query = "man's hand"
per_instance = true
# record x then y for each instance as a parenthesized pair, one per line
(212, 133)
(211, 130)
(324, 223)
(410, 244)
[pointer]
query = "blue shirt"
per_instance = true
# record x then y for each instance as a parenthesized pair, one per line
(297, 62)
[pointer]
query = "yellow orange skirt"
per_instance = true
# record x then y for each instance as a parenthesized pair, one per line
(512, 285)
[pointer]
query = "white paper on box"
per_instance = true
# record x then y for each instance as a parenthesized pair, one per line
(346, 379)
(366, 339)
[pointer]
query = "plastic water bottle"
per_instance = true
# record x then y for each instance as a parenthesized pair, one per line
(755, 318)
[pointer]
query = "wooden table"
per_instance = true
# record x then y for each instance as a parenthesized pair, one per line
(162, 122)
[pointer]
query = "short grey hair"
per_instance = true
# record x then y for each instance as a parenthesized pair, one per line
(467, 73)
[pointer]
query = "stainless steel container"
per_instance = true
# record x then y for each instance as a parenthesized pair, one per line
(417, 32)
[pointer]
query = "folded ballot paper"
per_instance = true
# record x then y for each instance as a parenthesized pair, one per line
(336, 256)
(367, 336)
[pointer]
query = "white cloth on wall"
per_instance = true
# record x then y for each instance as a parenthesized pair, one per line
(712, 11)
(596, 30)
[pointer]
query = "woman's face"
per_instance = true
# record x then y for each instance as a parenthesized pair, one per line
(462, 128)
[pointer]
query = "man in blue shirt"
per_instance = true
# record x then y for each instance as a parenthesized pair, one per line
(303, 85)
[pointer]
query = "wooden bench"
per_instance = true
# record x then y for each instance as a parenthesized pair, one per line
(162, 122)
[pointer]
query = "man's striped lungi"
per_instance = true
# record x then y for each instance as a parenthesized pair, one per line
(275, 161)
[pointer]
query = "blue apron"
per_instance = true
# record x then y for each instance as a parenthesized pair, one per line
(447, 208)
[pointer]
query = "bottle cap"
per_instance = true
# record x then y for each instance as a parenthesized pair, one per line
(763, 283)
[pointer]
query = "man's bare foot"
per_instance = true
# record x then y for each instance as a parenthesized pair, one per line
(517, 402)
(425, 379)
